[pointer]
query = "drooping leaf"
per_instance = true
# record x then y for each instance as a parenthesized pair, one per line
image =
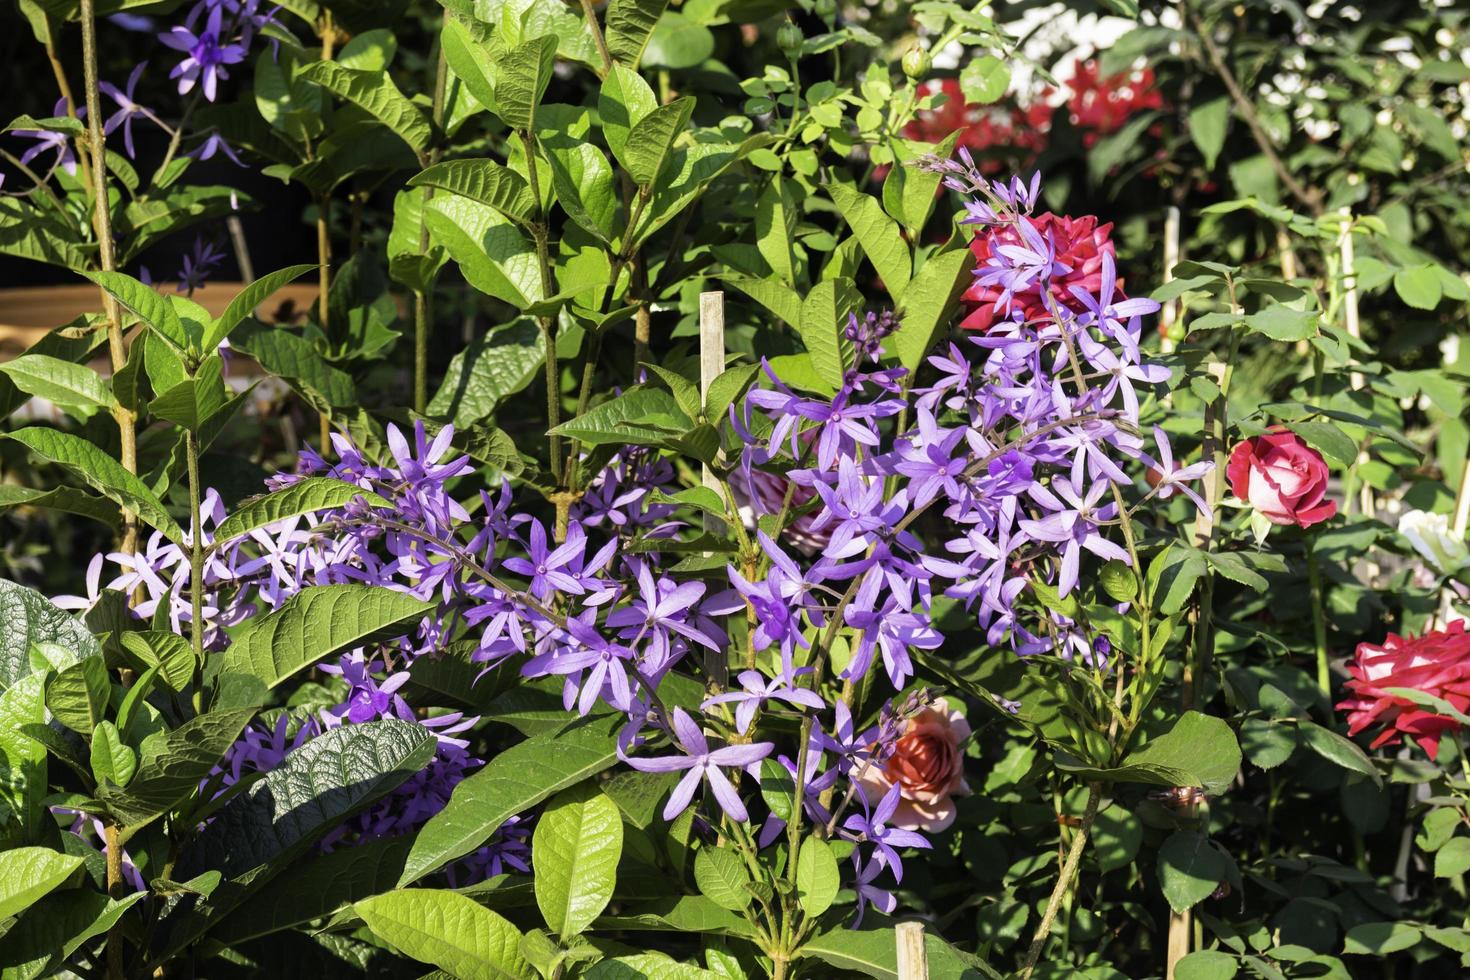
(493, 367)
(306, 496)
(54, 928)
(642, 416)
(879, 235)
(246, 301)
(780, 300)
(492, 252)
(172, 765)
(484, 181)
(28, 618)
(448, 930)
(577, 843)
(317, 622)
(74, 388)
(294, 359)
(513, 782)
(102, 472)
(374, 92)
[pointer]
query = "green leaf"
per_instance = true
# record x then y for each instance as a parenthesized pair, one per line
(492, 253)
(54, 928)
(630, 23)
(471, 61)
(929, 302)
(917, 188)
(485, 181)
(873, 951)
(985, 79)
(776, 217)
(291, 357)
(651, 139)
(72, 342)
(1116, 837)
(102, 472)
(112, 760)
(78, 695)
(1336, 749)
(824, 317)
(313, 789)
(74, 388)
(1283, 323)
(879, 236)
(1207, 964)
(817, 877)
(584, 185)
(522, 77)
(1453, 859)
(493, 367)
(23, 762)
(306, 496)
(726, 389)
(678, 42)
(69, 500)
(194, 401)
(1199, 750)
(28, 618)
(27, 873)
(639, 416)
(622, 102)
(318, 622)
(780, 300)
(148, 305)
(722, 878)
(1419, 286)
(375, 93)
(247, 299)
(647, 966)
(168, 651)
(448, 930)
(513, 782)
(1190, 869)
(172, 766)
(1328, 438)
(1207, 124)
(575, 850)
(1266, 743)
(1381, 938)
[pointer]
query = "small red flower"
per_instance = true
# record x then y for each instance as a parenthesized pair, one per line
(1436, 663)
(1282, 477)
(1080, 243)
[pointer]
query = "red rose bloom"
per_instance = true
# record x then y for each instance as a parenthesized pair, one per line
(1282, 477)
(1436, 663)
(1080, 243)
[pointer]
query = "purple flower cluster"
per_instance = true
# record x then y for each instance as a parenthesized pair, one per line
(224, 39)
(1018, 449)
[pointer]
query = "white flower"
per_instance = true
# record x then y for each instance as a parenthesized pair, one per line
(1430, 535)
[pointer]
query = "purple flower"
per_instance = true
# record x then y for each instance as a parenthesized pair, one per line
(757, 690)
(873, 828)
(198, 264)
(127, 109)
(47, 139)
(214, 143)
(206, 56)
(1074, 525)
(703, 764)
(867, 892)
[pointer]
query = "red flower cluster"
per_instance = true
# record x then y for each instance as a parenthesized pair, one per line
(1080, 243)
(1102, 105)
(1436, 663)
(981, 127)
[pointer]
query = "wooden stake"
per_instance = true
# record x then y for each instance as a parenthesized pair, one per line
(1170, 313)
(913, 958)
(1354, 329)
(711, 365)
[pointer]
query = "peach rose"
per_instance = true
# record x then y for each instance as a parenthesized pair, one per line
(928, 767)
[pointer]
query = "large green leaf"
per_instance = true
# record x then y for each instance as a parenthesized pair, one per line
(824, 319)
(247, 299)
(776, 217)
(317, 622)
(1200, 750)
(148, 305)
(27, 873)
(313, 789)
(194, 401)
(484, 181)
(641, 416)
(102, 472)
(173, 764)
(305, 496)
(23, 786)
(873, 951)
(630, 23)
(780, 300)
(374, 92)
(879, 235)
(493, 254)
(78, 695)
(492, 368)
(623, 101)
(929, 302)
(72, 342)
(471, 61)
(513, 782)
(1190, 868)
(817, 876)
(584, 185)
(651, 139)
(522, 75)
(448, 930)
(293, 358)
(648, 966)
(56, 927)
(576, 847)
(28, 618)
(74, 388)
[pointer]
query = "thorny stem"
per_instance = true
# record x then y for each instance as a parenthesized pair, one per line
(106, 256)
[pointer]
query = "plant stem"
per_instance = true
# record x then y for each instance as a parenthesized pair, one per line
(421, 309)
(324, 286)
(1319, 619)
(1064, 881)
(116, 888)
(196, 550)
(589, 13)
(106, 256)
(540, 233)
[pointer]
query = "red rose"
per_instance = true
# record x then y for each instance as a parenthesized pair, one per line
(1080, 243)
(1436, 663)
(1282, 477)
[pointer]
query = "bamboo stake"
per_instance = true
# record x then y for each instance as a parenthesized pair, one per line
(1169, 315)
(711, 365)
(913, 958)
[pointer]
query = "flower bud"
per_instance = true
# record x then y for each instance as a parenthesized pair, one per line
(789, 39)
(916, 63)
(826, 9)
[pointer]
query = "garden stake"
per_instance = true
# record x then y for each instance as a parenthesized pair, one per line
(1169, 313)
(711, 364)
(913, 958)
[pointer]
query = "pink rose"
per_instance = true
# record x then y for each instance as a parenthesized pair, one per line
(1436, 663)
(928, 767)
(1080, 243)
(1282, 477)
